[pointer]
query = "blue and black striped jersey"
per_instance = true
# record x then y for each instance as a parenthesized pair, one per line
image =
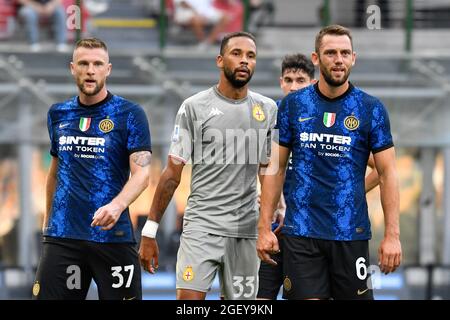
(330, 142)
(93, 145)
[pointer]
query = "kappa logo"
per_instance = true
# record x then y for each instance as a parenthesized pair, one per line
(215, 112)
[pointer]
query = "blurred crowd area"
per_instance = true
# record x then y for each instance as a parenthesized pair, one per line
(187, 22)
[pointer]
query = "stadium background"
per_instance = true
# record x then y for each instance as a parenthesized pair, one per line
(156, 63)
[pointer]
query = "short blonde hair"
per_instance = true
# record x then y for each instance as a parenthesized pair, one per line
(91, 43)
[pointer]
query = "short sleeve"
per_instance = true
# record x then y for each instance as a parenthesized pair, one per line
(282, 134)
(265, 156)
(53, 144)
(380, 134)
(138, 131)
(182, 139)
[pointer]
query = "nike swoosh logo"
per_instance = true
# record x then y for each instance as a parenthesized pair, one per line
(360, 292)
(63, 125)
(305, 119)
(132, 298)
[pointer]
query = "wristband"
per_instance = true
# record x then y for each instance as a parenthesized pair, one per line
(150, 229)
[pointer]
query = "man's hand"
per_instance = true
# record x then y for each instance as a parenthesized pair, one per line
(389, 254)
(279, 215)
(266, 245)
(107, 215)
(148, 254)
(279, 219)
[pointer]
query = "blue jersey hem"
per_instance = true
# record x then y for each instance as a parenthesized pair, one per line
(323, 237)
(70, 237)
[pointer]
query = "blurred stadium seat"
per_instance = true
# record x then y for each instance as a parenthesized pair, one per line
(7, 18)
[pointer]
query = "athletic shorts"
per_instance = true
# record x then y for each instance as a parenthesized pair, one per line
(202, 255)
(67, 267)
(271, 277)
(325, 269)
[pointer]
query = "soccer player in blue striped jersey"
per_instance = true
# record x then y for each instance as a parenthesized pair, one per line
(97, 140)
(330, 129)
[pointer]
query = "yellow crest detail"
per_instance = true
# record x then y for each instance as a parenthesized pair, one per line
(287, 284)
(36, 288)
(106, 125)
(258, 113)
(188, 274)
(351, 123)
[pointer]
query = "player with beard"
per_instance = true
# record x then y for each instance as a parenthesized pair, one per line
(225, 131)
(330, 129)
(97, 140)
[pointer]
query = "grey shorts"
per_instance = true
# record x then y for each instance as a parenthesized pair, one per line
(201, 255)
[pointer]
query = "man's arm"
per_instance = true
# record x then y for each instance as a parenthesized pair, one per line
(390, 251)
(168, 183)
(372, 179)
(108, 215)
(50, 190)
(271, 185)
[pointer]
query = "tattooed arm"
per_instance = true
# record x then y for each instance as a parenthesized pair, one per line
(108, 215)
(168, 183)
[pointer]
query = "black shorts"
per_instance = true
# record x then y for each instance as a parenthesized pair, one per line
(326, 269)
(67, 267)
(271, 277)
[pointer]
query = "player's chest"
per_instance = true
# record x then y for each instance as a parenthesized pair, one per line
(331, 124)
(331, 131)
(90, 133)
(244, 117)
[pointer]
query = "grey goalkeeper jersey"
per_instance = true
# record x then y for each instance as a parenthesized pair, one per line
(225, 140)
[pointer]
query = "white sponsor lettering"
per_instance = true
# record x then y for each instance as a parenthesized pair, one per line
(334, 148)
(89, 149)
(89, 141)
(324, 137)
(308, 145)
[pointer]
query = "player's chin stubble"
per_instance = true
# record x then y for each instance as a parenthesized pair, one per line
(232, 78)
(333, 82)
(97, 89)
(329, 78)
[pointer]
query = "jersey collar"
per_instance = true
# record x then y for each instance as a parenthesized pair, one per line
(108, 97)
(350, 88)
